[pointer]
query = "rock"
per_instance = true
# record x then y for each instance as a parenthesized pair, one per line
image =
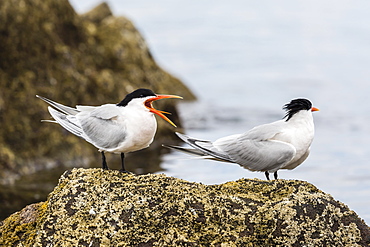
(48, 49)
(98, 14)
(92, 207)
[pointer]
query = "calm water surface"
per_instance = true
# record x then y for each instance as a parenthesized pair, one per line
(244, 60)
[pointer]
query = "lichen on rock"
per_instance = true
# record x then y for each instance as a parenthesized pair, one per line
(93, 207)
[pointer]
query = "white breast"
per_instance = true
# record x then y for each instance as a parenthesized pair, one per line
(140, 126)
(299, 131)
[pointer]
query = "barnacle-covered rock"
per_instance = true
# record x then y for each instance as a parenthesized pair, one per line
(93, 207)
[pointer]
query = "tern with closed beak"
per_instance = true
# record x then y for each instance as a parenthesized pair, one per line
(125, 127)
(283, 144)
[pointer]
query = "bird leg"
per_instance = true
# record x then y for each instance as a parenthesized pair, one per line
(123, 163)
(105, 165)
(267, 175)
(275, 175)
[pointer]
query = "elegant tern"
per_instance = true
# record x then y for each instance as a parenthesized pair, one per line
(283, 144)
(125, 127)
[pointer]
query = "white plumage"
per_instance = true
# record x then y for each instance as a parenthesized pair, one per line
(115, 128)
(283, 144)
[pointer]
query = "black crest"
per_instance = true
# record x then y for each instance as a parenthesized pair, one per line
(295, 106)
(139, 93)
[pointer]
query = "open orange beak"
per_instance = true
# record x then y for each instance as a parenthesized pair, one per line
(148, 104)
(315, 109)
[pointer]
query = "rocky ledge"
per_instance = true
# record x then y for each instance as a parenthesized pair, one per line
(92, 207)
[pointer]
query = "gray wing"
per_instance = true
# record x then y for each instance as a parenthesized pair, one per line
(195, 152)
(256, 150)
(106, 112)
(205, 147)
(96, 125)
(265, 131)
(269, 155)
(63, 120)
(253, 150)
(65, 109)
(100, 127)
(61, 116)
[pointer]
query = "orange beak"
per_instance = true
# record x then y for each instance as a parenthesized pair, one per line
(315, 109)
(148, 104)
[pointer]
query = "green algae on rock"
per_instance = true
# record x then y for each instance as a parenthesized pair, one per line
(48, 49)
(92, 207)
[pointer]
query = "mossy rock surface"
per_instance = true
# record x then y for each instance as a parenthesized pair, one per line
(93, 59)
(93, 207)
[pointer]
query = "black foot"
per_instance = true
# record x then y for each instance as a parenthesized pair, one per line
(267, 175)
(275, 175)
(105, 165)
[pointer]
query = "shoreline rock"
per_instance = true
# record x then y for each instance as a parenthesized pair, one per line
(48, 49)
(92, 207)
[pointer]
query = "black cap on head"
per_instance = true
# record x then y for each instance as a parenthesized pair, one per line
(139, 93)
(295, 106)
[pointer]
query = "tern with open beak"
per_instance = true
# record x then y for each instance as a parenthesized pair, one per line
(125, 127)
(283, 144)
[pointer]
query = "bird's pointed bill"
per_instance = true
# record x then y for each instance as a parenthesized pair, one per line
(315, 109)
(148, 104)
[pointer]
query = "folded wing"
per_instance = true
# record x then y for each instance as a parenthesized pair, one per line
(253, 154)
(257, 150)
(97, 125)
(101, 128)
(269, 155)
